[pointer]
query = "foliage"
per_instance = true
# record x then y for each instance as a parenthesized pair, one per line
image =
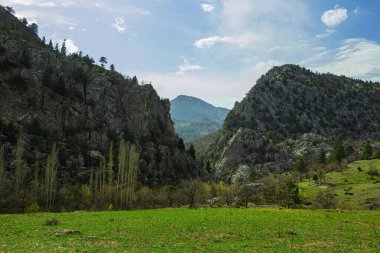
(338, 152)
(367, 151)
(191, 151)
(33, 208)
(300, 165)
(288, 194)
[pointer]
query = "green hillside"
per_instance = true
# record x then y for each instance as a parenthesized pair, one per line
(200, 230)
(194, 118)
(353, 187)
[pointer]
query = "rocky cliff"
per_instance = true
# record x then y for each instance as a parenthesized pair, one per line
(51, 97)
(293, 112)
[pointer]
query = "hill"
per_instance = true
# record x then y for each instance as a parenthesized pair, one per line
(354, 187)
(292, 112)
(194, 118)
(48, 97)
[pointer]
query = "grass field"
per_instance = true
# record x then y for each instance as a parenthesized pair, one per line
(353, 188)
(201, 230)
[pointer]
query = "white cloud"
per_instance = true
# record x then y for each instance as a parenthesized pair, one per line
(243, 40)
(186, 66)
(359, 58)
(70, 46)
(326, 34)
(206, 7)
(260, 68)
(119, 24)
(334, 17)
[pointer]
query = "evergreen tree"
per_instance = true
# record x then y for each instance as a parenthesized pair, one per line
(43, 41)
(103, 61)
(112, 67)
(63, 48)
(191, 151)
(300, 165)
(338, 152)
(56, 47)
(51, 44)
(322, 157)
(367, 151)
(34, 28)
(181, 144)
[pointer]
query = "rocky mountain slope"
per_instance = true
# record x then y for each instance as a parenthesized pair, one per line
(292, 112)
(194, 118)
(51, 97)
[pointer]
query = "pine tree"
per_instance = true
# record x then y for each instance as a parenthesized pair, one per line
(112, 67)
(51, 44)
(103, 61)
(367, 151)
(56, 48)
(300, 165)
(191, 151)
(338, 152)
(43, 41)
(63, 48)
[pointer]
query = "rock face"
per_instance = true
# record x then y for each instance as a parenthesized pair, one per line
(194, 118)
(293, 112)
(83, 107)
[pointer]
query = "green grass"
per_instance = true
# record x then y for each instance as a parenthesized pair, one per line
(352, 187)
(201, 230)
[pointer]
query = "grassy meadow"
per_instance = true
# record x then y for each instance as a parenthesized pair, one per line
(197, 230)
(354, 188)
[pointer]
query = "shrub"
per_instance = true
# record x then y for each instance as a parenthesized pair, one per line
(33, 208)
(18, 82)
(51, 222)
(372, 171)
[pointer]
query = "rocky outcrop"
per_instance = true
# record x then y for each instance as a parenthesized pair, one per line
(293, 112)
(51, 97)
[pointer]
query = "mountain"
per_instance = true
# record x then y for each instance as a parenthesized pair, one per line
(292, 112)
(49, 97)
(194, 118)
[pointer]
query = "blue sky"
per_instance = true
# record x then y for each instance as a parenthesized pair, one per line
(214, 49)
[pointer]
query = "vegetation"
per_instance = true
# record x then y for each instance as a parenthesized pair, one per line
(193, 230)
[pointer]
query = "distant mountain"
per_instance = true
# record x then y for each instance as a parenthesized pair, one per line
(194, 118)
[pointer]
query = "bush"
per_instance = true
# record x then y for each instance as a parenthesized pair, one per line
(372, 171)
(33, 208)
(18, 82)
(51, 222)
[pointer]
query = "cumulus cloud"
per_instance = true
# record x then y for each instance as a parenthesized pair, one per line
(119, 24)
(185, 67)
(206, 7)
(357, 57)
(334, 17)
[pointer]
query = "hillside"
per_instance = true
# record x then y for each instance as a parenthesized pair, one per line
(292, 112)
(48, 97)
(353, 188)
(194, 118)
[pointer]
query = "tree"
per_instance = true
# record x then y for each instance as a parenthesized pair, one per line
(34, 28)
(191, 189)
(326, 199)
(19, 163)
(315, 178)
(367, 151)
(10, 10)
(377, 155)
(43, 41)
(288, 194)
(191, 151)
(112, 67)
(322, 157)
(51, 168)
(338, 152)
(2, 170)
(56, 48)
(63, 48)
(181, 144)
(300, 165)
(51, 44)
(103, 61)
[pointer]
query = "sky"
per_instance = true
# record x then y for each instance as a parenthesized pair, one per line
(214, 49)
